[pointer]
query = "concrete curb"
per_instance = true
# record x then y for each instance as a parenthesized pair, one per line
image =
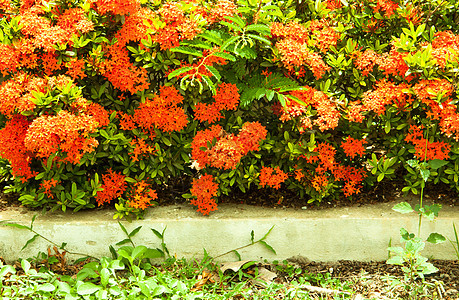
(352, 233)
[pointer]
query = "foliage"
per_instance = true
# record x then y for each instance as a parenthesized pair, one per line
(106, 101)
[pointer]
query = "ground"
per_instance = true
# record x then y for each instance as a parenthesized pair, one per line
(368, 277)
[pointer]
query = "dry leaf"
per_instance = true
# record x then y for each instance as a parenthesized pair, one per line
(234, 266)
(265, 277)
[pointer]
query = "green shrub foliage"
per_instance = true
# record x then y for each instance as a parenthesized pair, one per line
(104, 101)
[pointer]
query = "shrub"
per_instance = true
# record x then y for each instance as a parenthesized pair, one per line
(104, 101)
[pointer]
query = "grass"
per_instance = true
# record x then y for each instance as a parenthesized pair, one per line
(174, 278)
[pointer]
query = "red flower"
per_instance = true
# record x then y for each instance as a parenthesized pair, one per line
(268, 178)
(204, 189)
(353, 147)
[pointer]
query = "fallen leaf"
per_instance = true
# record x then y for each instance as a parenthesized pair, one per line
(234, 266)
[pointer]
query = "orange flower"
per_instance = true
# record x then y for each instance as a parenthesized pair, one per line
(367, 61)
(76, 68)
(140, 147)
(13, 149)
(353, 147)
(226, 153)
(63, 132)
(117, 7)
(204, 189)
(424, 149)
(113, 186)
(268, 178)
(46, 185)
(200, 140)
(142, 195)
(250, 136)
(162, 112)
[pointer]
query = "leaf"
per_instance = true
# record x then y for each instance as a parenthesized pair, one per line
(234, 266)
(395, 260)
(237, 255)
(30, 241)
(224, 55)
(437, 163)
(135, 231)
(3, 223)
(212, 36)
(187, 50)
(123, 228)
(425, 174)
(260, 38)
(179, 71)
(267, 246)
(214, 72)
(87, 288)
(138, 251)
(157, 233)
(229, 42)
(261, 28)
(47, 287)
(25, 265)
(403, 208)
(436, 238)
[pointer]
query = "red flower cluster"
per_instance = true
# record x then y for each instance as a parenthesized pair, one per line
(353, 147)
(162, 112)
(328, 114)
(13, 149)
(228, 149)
(117, 7)
(47, 185)
(64, 132)
(424, 149)
(140, 147)
(226, 97)
(141, 195)
(268, 178)
(294, 52)
(327, 166)
(204, 189)
(113, 186)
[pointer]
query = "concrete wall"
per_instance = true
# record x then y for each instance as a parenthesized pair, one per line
(353, 233)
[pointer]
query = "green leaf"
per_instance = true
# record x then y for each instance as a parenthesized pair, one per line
(395, 260)
(25, 265)
(212, 36)
(437, 163)
(237, 255)
(403, 207)
(436, 238)
(47, 287)
(135, 231)
(138, 251)
(187, 50)
(19, 226)
(214, 72)
(104, 276)
(30, 241)
(268, 247)
(260, 38)
(157, 233)
(179, 71)
(224, 55)
(123, 228)
(229, 42)
(425, 174)
(261, 28)
(87, 288)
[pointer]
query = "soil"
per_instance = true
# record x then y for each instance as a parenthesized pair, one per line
(368, 277)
